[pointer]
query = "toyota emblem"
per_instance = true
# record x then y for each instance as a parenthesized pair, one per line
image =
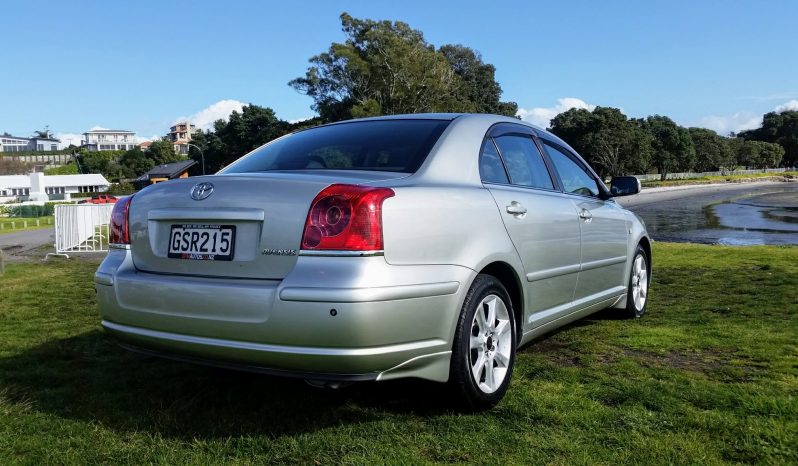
(201, 191)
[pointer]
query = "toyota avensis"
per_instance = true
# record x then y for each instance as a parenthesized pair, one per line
(429, 246)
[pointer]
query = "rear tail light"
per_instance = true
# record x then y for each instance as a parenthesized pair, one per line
(120, 233)
(346, 217)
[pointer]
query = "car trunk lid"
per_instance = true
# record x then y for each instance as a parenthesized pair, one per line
(267, 212)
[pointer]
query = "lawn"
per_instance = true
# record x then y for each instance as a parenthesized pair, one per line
(709, 376)
(9, 224)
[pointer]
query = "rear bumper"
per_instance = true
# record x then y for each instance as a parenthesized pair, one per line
(370, 320)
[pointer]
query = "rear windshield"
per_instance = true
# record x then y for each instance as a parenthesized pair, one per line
(381, 145)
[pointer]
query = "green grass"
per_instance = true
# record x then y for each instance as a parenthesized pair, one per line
(719, 179)
(709, 376)
(12, 224)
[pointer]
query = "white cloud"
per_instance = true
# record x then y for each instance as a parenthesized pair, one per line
(542, 116)
(741, 121)
(67, 139)
(154, 137)
(221, 110)
(736, 122)
(790, 105)
(97, 128)
(301, 119)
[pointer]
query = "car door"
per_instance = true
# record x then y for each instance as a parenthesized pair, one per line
(603, 226)
(540, 221)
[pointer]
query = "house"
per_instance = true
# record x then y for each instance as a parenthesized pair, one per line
(180, 135)
(10, 143)
(108, 139)
(165, 172)
(41, 187)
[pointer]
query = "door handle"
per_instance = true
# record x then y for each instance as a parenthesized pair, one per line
(585, 215)
(516, 209)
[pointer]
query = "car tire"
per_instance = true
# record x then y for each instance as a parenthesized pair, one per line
(639, 280)
(483, 352)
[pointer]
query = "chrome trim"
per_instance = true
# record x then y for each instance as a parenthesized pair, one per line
(310, 252)
(207, 214)
(362, 295)
(119, 246)
(602, 263)
(268, 348)
(201, 191)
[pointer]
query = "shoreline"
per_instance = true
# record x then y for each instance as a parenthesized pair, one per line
(673, 193)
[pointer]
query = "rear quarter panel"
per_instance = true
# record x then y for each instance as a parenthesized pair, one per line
(445, 224)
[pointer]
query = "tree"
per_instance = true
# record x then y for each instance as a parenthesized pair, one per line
(163, 151)
(610, 142)
(386, 68)
(134, 163)
(243, 132)
(713, 152)
(770, 155)
(672, 148)
(760, 154)
(96, 162)
(780, 128)
(477, 81)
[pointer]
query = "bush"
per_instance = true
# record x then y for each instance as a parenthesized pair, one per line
(68, 169)
(30, 211)
(121, 189)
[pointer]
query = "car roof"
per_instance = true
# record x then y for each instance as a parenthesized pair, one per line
(453, 116)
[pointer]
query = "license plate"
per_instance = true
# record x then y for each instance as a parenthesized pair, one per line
(202, 242)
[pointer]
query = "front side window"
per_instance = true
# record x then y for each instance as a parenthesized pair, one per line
(524, 162)
(574, 177)
(380, 145)
(491, 169)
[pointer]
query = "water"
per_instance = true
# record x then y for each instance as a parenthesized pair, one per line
(733, 215)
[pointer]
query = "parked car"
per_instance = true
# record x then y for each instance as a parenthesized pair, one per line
(100, 199)
(429, 246)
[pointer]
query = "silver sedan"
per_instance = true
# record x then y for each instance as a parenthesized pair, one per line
(429, 246)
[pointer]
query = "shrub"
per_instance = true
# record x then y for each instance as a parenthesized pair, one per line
(32, 210)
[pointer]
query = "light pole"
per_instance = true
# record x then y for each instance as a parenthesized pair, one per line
(202, 154)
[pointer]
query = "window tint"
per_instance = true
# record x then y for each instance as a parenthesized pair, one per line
(524, 162)
(382, 145)
(575, 179)
(490, 165)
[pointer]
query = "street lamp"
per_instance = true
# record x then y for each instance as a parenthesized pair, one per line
(202, 154)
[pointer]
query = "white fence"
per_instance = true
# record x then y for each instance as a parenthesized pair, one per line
(680, 176)
(82, 227)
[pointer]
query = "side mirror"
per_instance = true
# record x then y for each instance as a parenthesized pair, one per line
(624, 185)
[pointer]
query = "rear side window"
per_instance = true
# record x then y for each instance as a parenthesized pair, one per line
(382, 145)
(574, 177)
(491, 169)
(524, 161)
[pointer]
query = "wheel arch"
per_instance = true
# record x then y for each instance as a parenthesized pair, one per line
(505, 273)
(645, 243)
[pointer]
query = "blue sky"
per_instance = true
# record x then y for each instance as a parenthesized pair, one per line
(142, 65)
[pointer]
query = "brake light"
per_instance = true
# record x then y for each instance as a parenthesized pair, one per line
(346, 218)
(119, 231)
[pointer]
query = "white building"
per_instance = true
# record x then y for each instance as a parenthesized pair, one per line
(39, 187)
(10, 143)
(108, 139)
(180, 135)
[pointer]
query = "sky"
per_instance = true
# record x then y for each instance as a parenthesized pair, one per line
(141, 66)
